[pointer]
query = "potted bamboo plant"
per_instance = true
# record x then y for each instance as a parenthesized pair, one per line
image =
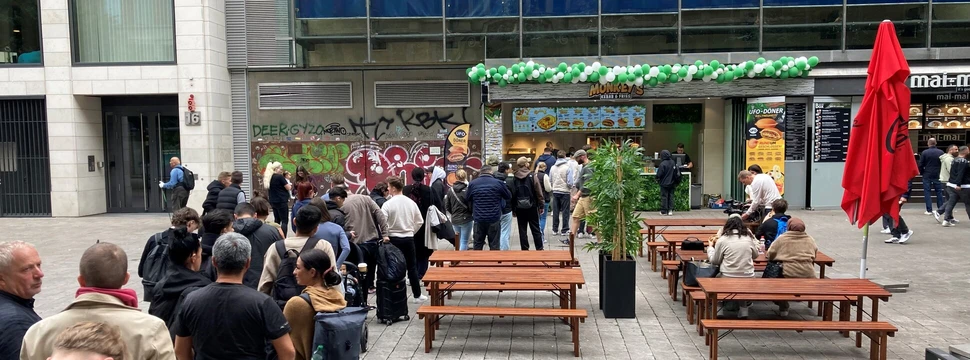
(615, 186)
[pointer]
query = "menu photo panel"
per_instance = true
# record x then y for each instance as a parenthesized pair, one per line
(765, 137)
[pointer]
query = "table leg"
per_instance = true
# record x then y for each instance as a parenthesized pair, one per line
(572, 296)
(858, 317)
(844, 314)
(873, 346)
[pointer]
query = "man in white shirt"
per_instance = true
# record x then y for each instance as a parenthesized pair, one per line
(403, 220)
(763, 193)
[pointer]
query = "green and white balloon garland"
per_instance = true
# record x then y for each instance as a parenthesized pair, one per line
(525, 72)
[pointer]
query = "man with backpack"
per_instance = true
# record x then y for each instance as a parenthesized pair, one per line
(260, 234)
(772, 228)
(277, 278)
(486, 196)
(528, 202)
(154, 259)
(181, 181)
(503, 173)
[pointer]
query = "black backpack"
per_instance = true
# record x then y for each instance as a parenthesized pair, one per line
(285, 286)
(188, 178)
(524, 199)
(391, 264)
(155, 267)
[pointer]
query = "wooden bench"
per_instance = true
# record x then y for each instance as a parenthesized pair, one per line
(504, 264)
(877, 331)
(431, 315)
(696, 312)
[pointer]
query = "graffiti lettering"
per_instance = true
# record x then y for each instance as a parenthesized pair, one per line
(307, 129)
(407, 118)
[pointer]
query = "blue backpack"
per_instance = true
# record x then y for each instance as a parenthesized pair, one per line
(782, 228)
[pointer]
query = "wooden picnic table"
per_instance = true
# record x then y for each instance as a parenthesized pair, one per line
(851, 289)
(664, 223)
(547, 258)
(441, 278)
(821, 259)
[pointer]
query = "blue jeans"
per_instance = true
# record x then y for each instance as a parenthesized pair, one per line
(542, 222)
(506, 234)
(930, 186)
(464, 232)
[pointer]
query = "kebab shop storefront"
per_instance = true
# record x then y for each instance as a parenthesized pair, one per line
(939, 108)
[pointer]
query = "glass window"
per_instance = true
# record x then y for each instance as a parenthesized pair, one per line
(803, 28)
(719, 4)
(19, 32)
(863, 20)
(477, 39)
(560, 36)
(114, 31)
(481, 8)
(397, 40)
(405, 8)
(951, 24)
(307, 9)
(559, 7)
(720, 30)
(640, 34)
(332, 41)
(638, 6)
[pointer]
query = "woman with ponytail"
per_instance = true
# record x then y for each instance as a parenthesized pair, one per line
(181, 278)
(278, 190)
(315, 270)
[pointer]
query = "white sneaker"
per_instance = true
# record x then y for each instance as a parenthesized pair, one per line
(886, 231)
(420, 299)
(903, 239)
(743, 313)
(937, 216)
(671, 213)
(892, 241)
(948, 223)
(928, 213)
(955, 221)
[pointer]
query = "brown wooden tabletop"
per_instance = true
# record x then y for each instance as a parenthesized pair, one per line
(505, 275)
(837, 287)
(664, 222)
(550, 256)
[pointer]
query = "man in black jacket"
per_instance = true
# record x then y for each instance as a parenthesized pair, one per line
(668, 176)
(216, 223)
(958, 187)
(503, 174)
(260, 235)
(929, 167)
(187, 217)
(20, 281)
(216, 186)
(233, 194)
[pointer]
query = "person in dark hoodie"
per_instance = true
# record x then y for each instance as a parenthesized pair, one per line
(769, 230)
(487, 196)
(547, 157)
(379, 193)
(668, 176)
(529, 203)
(929, 167)
(212, 197)
(503, 173)
(261, 236)
(185, 217)
(424, 196)
(216, 223)
(181, 278)
(337, 216)
(456, 204)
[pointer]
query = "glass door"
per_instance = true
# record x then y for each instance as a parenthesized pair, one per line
(135, 162)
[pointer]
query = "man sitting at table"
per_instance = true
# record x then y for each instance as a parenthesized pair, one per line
(776, 225)
(763, 192)
(734, 251)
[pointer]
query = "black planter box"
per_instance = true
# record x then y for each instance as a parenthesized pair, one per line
(618, 289)
(604, 256)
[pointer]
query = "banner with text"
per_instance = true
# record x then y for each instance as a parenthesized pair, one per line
(765, 137)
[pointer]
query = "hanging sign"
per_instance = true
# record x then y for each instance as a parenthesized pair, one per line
(614, 91)
(765, 137)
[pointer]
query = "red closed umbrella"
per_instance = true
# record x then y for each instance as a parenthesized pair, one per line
(879, 162)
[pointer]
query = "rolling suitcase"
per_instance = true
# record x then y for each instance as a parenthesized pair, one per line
(392, 301)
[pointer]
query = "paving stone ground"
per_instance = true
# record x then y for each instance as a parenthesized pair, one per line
(933, 313)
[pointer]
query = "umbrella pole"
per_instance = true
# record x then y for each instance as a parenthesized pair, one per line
(865, 248)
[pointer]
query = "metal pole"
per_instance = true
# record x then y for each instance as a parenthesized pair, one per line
(761, 26)
(680, 26)
(599, 29)
(845, 10)
(444, 31)
(865, 248)
(929, 27)
(521, 23)
(368, 33)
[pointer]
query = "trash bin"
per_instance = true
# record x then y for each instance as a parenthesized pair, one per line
(695, 196)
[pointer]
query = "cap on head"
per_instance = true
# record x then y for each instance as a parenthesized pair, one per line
(579, 153)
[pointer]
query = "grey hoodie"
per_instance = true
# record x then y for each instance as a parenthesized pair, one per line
(945, 161)
(560, 176)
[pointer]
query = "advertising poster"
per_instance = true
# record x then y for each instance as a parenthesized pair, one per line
(456, 150)
(579, 118)
(765, 137)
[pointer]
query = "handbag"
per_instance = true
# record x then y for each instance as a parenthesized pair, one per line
(692, 243)
(699, 269)
(774, 270)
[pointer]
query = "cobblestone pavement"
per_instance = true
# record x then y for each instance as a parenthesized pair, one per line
(932, 313)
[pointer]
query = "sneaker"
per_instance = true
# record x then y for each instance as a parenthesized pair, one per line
(948, 223)
(955, 221)
(903, 239)
(743, 313)
(783, 313)
(663, 213)
(420, 299)
(670, 213)
(886, 231)
(892, 241)
(928, 213)
(937, 216)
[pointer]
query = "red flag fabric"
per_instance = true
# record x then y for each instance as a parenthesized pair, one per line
(880, 161)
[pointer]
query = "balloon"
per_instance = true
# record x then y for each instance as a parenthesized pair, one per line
(813, 61)
(535, 73)
(654, 71)
(698, 63)
(784, 75)
(603, 80)
(575, 80)
(759, 68)
(596, 65)
(541, 79)
(662, 77)
(530, 63)
(689, 78)
(800, 64)
(505, 77)
(582, 66)
(675, 68)
(807, 67)
(568, 77)
(615, 70)
(576, 72)
(706, 78)
(692, 69)
(481, 72)
(682, 72)
(550, 74)
(583, 77)
(502, 83)
(492, 71)
(770, 69)
(638, 72)
(638, 81)
(720, 79)
(610, 77)
(715, 63)
(667, 69)
(748, 66)
(542, 69)
(562, 67)
(502, 69)
(751, 74)
(738, 72)
(621, 77)
(603, 70)
(793, 72)
(529, 68)
(569, 69)
(515, 68)
(588, 70)
(673, 78)
(761, 60)
(708, 71)
(594, 77)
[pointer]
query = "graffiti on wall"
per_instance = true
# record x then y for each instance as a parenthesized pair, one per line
(405, 123)
(362, 163)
